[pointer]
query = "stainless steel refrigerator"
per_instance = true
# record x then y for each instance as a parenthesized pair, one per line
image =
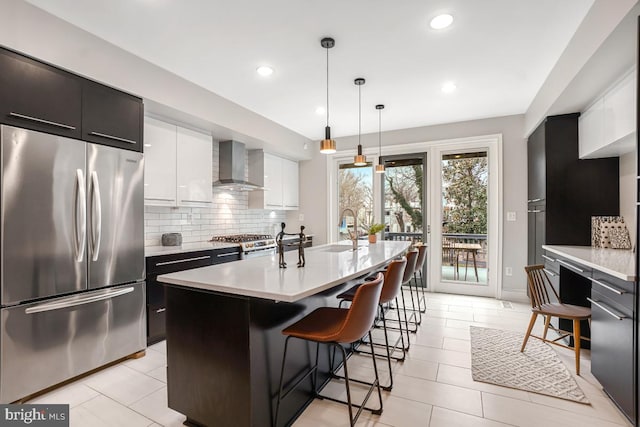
(72, 259)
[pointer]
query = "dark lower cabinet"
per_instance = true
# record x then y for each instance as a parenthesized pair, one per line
(612, 350)
(37, 96)
(292, 244)
(164, 264)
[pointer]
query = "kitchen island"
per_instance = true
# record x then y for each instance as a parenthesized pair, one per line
(224, 345)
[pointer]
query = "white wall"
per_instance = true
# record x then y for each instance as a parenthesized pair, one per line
(313, 182)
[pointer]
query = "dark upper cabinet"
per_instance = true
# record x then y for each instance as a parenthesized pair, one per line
(37, 96)
(111, 117)
(564, 192)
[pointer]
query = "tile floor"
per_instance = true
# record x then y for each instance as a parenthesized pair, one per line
(433, 387)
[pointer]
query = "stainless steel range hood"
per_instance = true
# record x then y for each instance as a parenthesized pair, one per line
(232, 167)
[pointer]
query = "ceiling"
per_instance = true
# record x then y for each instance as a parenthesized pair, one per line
(497, 52)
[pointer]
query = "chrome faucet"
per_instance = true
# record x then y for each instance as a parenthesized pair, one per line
(354, 236)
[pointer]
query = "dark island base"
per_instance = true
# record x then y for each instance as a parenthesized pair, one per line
(224, 355)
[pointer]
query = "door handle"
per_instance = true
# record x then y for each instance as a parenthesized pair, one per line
(96, 218)
(81, 201)
(115, 138)
(75, 301)
(568, 264)
(534, 211)
(605, 309)
(43, 121)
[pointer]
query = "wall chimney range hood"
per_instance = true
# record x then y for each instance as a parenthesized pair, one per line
(232, 168)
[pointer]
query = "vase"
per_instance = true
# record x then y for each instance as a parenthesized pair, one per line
(373, 238)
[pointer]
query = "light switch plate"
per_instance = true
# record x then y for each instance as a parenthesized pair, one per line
(511, 216)
(301, 217)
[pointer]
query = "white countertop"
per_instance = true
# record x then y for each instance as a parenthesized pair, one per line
(620, 263)
(262, 278)
(186, 247)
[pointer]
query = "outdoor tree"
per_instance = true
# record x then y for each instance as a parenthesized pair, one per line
(465, 195)
(356, 193)
(404, 187)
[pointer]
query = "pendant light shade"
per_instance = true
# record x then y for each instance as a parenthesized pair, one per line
(359, 159)
(327, 145)
(380, 165)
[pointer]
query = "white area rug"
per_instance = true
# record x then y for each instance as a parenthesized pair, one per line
(496, 359)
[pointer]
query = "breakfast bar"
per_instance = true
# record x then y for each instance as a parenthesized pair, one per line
(224, 345)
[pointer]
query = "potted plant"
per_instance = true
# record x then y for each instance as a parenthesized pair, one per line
(372, 230)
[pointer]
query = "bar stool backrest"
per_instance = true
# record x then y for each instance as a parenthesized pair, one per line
(422, 257)
(362, 312)
(393, 280)
(412, 258)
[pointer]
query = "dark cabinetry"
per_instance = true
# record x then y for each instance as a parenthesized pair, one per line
(164, 264)
(612, 345)
(564, 192)
(292, 244)
(111, 117)
(38, 96)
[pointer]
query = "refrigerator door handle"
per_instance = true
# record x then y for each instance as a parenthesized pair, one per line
(75, 301)
(96, 223)
(81, 202)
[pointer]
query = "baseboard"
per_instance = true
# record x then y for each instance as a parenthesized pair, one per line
(515, 296)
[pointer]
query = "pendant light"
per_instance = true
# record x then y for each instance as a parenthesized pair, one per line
(327, 145)
(359, 159)
(380, 165)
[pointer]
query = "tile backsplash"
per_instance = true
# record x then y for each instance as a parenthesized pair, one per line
(228, 215)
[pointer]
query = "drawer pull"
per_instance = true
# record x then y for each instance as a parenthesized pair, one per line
(534, 211)
(178, 261)
(605, 309)
(608, 286)
(115, 138)
(566, 264)
(550, 273)
(43, 121)
(534, 200)
(226, 254)
(196, 201)
(548, 258)
(160, 199)
(161, 310)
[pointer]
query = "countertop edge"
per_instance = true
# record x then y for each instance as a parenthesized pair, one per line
(558, 249)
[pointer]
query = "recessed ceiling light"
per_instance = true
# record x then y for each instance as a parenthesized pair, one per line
(449, 87)
(264, 70)
(320, 111)
(441, 21)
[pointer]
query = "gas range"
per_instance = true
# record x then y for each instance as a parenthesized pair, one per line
(251, 245)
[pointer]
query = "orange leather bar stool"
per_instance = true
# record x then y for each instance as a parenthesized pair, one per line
(336, 326)
(422, 257)
(412, 258)
(390, 289)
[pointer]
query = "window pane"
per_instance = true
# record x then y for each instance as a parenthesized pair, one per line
(355, 189)
(464, 217)
(403, 199)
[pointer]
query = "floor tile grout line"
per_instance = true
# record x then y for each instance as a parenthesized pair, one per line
(125, 406)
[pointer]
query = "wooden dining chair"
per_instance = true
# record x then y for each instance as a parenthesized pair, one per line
(541, 304)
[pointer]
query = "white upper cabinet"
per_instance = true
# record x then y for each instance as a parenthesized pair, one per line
(290, 197)
(194, 166)
(178, 165)
(278, 176)
(608, 127)
(160, 163)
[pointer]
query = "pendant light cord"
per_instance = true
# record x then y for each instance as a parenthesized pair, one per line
(327, 49)
(359, 112)
(380, 132)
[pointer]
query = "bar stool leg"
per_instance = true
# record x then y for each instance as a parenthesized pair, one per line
(386, 342)
(402, 333)
(375, 370)
(346, 382)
